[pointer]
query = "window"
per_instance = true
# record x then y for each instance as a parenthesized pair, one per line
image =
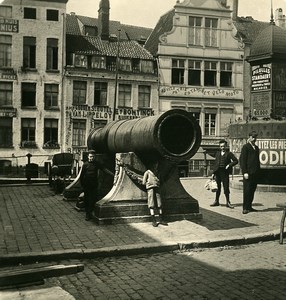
(147, 66)
(144, 95)
(195, 31)
(30, 13)
(178, 69)
(136, 65)
(28, 94)
(210, 120)
(98, 123)
(100, 93)
(124, 64)
(210, 73)
(5, 51)
(29, 54)
(52, 15)
(124, 97)
(79, 132)
(194, 72)
(211, 32)
(52, 54)
(51, 95)
(226, 74)
(98, 62)
(5, 11)
(111, 63)
(50, 132)
(80, 61)
(6, 132)
(79, 92)
(28, 132)
(6, 92)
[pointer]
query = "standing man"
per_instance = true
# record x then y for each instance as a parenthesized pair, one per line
(224, 161)
(89, 183)
(250, 167)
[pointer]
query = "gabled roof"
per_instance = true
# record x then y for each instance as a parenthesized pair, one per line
(248, 28)
(165, 24)
(91, 45)
(128, 32)
(270, 43)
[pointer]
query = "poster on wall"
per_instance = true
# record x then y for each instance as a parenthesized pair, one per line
(261, 78)
(261, 104)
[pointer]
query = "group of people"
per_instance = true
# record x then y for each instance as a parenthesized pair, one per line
(250, 166)
(225, 160)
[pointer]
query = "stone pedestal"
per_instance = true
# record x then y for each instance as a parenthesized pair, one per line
(127, 199)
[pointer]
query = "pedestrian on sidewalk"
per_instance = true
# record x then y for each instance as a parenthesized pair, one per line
(89, 183)
(250, 167)
(152, 183)
(224, 161)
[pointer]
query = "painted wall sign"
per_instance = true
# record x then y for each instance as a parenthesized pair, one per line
(105, 112)
(200, 92)
(261, 77)
(9, 25)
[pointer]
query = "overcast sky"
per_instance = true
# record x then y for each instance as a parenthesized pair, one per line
(146, 13)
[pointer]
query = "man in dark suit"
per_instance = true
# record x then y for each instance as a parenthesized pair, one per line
(224, 161)
(250, 167)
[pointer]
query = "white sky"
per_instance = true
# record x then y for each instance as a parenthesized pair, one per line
(146, 13)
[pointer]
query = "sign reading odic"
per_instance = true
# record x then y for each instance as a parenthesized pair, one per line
(272, 152)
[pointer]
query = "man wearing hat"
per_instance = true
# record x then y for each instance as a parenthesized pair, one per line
(250, 167)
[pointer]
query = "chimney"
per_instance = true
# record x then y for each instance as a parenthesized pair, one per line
(103, 19)
(234, 9)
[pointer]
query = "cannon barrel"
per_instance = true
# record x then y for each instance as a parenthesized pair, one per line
(174, 135)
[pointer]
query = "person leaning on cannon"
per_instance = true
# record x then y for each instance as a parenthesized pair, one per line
(152, 183)
(224, 161)
(89, 182)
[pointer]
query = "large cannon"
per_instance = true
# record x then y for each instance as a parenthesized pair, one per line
(132, 147)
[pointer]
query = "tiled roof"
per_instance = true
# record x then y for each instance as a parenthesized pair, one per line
(270, 42)
(128, 32)
(248, 28)
(91, 45)
(164, 24)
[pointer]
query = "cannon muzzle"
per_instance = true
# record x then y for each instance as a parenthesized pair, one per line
(174, 135)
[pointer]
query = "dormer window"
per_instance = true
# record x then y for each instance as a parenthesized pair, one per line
(80, 61)
(98, 62)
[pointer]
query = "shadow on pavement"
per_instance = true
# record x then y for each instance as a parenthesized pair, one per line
(216, 221)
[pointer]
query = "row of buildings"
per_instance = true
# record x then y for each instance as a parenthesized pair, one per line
(61, 75)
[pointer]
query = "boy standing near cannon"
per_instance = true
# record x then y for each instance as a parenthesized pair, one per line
(152, 183)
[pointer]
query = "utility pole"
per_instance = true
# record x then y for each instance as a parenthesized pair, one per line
(116, 76)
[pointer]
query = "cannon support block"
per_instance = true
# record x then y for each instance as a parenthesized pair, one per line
(127, 200)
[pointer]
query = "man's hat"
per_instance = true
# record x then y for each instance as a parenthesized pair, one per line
(91, 151)
(253, 133)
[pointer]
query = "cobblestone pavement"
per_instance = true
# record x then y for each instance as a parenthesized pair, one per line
(33, 220)
(255, 271)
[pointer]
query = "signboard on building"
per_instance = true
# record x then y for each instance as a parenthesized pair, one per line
(8, 112)
(8, 74)
(261, 104)
(261, 77)
(105, 112)
(9, 25)
(272, 151)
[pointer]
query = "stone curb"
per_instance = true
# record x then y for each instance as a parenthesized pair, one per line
(146, 248)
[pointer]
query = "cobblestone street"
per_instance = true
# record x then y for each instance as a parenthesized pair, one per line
(244, 272)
